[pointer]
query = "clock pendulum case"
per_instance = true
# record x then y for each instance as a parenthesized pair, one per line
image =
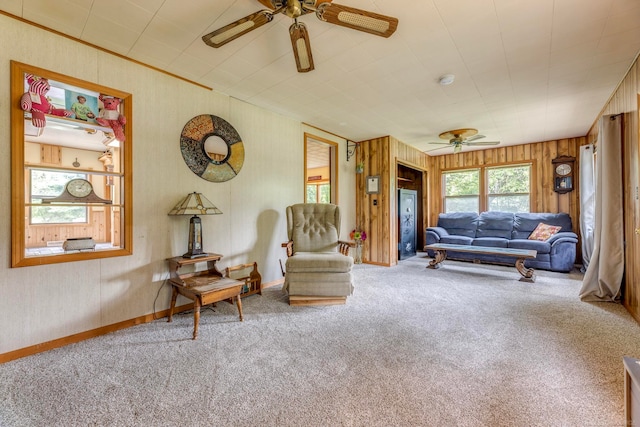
(563, 174)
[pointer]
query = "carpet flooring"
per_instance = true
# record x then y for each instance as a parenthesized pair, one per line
(464, 345)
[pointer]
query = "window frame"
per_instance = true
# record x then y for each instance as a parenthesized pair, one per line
(488, 195)
(483, 202)
(444, 189)
(20, 188)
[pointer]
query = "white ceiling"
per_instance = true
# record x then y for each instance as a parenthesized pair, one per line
(526, 70)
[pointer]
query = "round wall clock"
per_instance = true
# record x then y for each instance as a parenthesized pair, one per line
(215, 167)
(563, 169)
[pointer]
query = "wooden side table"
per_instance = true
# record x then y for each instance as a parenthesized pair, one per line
(202, 287)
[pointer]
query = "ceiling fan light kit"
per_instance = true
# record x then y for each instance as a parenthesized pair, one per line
(325, 10)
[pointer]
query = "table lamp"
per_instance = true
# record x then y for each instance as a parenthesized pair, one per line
(195, 204)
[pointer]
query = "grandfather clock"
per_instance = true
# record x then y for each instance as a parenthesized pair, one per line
(563, 174)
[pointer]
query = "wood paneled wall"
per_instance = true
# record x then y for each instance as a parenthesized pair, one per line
(39, 235)
(625, 101)
(539, 154)
(376, 213)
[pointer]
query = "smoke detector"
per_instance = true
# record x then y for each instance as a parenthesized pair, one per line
(446, 79)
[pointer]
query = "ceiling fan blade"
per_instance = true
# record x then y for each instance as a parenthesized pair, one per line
(242, 26)
(483, 143)
(474, 137)
(301, 47)
(357, 19)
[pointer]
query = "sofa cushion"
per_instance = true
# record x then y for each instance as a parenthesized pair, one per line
(459, 223)
(525, 223)
(493, 242)
(495, 224)
(544, 231)
(456, 240)
(536, 245)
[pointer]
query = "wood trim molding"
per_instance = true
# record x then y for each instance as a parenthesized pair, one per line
(75, 338)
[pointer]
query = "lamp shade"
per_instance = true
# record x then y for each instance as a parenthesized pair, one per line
(195, 204)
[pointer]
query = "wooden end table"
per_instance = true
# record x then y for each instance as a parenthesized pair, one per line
(202, 287)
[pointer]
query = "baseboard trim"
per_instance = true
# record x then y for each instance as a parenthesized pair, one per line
(72, 339)
(311, 300)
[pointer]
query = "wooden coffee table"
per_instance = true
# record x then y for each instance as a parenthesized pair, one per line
(441, 249)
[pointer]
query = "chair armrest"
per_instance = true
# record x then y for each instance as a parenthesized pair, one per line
(289, 246)
(344, 247)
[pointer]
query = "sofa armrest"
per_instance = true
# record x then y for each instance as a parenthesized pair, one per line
(439, 231)
(563, 236)
(432, 235)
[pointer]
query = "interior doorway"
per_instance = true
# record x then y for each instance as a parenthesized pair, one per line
(411, 182)
(320, 173)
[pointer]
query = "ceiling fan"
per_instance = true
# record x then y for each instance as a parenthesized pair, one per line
(460, 137)
(325, 10)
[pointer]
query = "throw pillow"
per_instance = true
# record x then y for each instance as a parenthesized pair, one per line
(544, 231)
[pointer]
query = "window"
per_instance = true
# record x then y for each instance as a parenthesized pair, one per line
(507, 189)
(73, 145)
(46, 184)
(462, 191)
(318, 193)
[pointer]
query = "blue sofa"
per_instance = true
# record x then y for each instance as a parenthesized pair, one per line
(507, 230)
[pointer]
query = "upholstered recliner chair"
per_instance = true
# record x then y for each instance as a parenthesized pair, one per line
(318, 267)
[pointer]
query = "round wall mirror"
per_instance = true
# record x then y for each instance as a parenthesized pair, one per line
(212, 148)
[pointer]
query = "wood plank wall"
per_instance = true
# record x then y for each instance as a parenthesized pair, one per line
(376, 213)
(38, 235)
(539, 154)
(625, 101)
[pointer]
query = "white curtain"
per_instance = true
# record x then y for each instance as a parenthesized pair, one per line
(603, 278)
(587, 202)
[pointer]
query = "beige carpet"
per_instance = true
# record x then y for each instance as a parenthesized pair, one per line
(465, 345)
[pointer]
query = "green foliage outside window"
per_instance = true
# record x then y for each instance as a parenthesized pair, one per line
(508, 189)
(462, 191)
(464, 183)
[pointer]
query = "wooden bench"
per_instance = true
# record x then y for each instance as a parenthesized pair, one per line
(441, 249)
